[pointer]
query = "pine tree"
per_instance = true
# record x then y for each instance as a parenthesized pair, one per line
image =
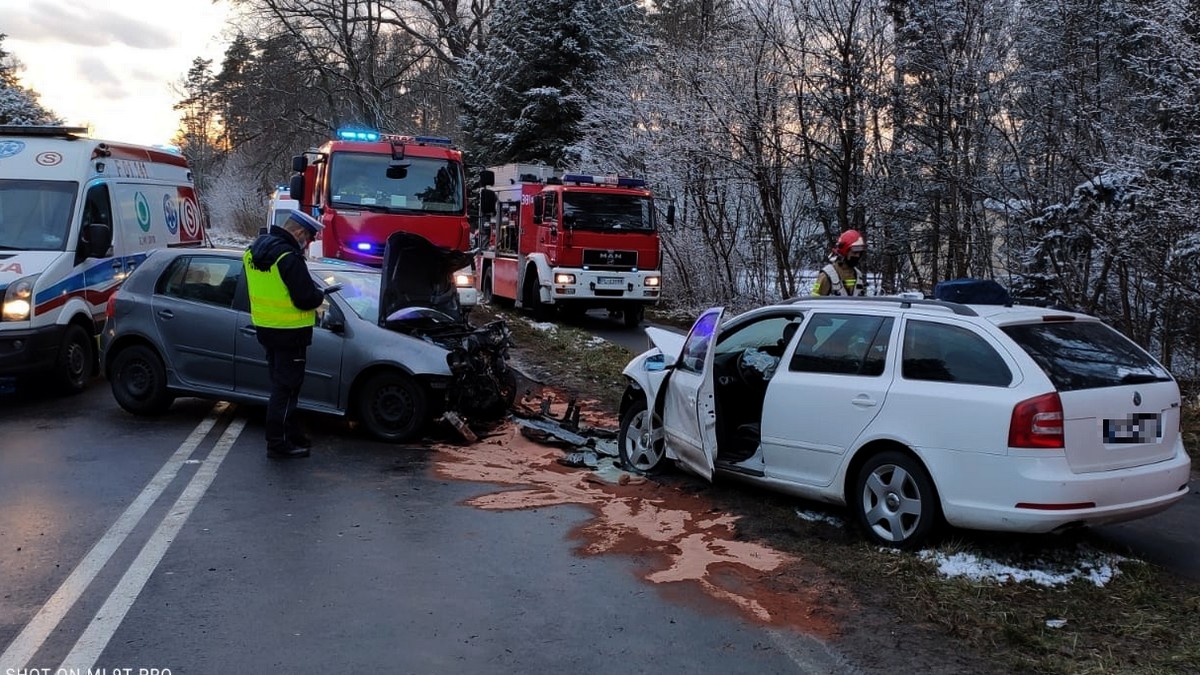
(19, 105)
(524, 95)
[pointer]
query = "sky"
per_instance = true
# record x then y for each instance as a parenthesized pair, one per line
(113, 66)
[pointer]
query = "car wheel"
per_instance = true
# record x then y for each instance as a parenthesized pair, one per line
(393, 407)
(73, 368)
(896, 502)
(139, 381)
(485, 288)
(634, 314)
(640, 440)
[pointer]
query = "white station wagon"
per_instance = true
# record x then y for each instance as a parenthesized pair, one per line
(914, 412)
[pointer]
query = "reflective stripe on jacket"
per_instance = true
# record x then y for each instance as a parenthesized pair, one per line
(854, 286)
(270, 303)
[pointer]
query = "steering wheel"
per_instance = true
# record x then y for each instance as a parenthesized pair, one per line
(752, 367)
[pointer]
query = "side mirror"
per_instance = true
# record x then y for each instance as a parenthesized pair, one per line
(487, 203)
(99, 240)
(296, 188)
(299, 164)
(537, 208)
(671, 213)
(487, 178)
(331, 288)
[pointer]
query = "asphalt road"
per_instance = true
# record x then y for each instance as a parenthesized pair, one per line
(176, 544)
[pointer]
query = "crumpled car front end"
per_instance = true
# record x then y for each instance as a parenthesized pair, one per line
(418, 298)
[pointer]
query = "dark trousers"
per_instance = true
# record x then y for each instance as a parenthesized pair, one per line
(285, 366)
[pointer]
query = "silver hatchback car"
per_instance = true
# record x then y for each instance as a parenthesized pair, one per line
(180, 326)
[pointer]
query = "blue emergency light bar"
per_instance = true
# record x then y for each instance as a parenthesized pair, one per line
(619, 181)
(357, 135)
(432, 140)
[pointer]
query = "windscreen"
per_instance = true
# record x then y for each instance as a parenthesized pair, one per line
(361, 180)
(35, 215)
(608, 212)
(1086, 355)
(359, 289)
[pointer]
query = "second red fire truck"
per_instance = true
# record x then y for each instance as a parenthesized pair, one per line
(572, 241)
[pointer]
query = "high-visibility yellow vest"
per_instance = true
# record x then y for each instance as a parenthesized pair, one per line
(270, 304)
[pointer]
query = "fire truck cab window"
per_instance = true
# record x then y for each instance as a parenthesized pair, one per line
(598, 211)
(429, 184)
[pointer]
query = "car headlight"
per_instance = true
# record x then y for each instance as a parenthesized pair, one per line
(564, 278)
(653, 281)
(18, 299)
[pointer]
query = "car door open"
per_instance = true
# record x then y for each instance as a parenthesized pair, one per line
(689, 410)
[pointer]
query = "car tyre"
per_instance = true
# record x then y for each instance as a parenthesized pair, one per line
(393, 407)
(139, 381)
(634, 314)
(640, 441)
(76, 359)
(894, 500)
(531, 297)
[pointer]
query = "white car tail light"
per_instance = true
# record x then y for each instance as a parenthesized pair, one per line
(1037, 423)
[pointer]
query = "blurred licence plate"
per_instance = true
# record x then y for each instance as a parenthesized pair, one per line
(609, 281)
(1137, 428)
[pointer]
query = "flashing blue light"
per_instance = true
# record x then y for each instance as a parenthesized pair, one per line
(432, 140)
(576, 178)
(631, 182)
(363, 246)
(358, 135)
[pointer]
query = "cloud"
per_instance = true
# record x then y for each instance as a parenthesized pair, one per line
(102, 78)
(84, 27)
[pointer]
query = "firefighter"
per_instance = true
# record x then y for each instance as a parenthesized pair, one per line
(842, 275)
(283, 303)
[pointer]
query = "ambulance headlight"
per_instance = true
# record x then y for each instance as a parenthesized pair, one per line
(18, 299)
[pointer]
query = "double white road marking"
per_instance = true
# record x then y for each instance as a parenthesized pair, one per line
(88, 648)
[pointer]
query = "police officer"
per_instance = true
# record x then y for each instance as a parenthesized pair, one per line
(842, 276)
(283, 303)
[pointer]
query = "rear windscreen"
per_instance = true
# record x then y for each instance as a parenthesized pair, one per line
(1086, 355)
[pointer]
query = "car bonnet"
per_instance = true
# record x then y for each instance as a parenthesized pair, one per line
(416, 273)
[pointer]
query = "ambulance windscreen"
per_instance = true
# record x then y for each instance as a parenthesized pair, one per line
(35, 215)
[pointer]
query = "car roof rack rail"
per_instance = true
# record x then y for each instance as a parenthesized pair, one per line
(905, 303)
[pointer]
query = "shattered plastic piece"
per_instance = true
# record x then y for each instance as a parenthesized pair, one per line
(580, 459)
(554, 430)
(606, 448)
(457, 422)
(1055, 623)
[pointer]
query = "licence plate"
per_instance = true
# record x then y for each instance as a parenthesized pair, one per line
(1137, 428)
(610, 281)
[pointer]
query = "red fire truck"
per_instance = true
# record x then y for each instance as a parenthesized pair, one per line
(572, 241)
(365, 185)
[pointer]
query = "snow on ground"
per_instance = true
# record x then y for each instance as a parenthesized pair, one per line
(1097, 567)
(1090, 565)
(545, 327)
(226, 239)
(596, 342)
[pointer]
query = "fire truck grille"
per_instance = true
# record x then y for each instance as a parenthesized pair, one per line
(602, 259)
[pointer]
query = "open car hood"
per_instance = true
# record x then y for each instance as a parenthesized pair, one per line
(418, 274)
(668, 342)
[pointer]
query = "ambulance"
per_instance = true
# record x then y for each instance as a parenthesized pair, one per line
(279, 208)
(77, 215)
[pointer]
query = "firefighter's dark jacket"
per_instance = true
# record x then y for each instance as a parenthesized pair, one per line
(300, 285)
